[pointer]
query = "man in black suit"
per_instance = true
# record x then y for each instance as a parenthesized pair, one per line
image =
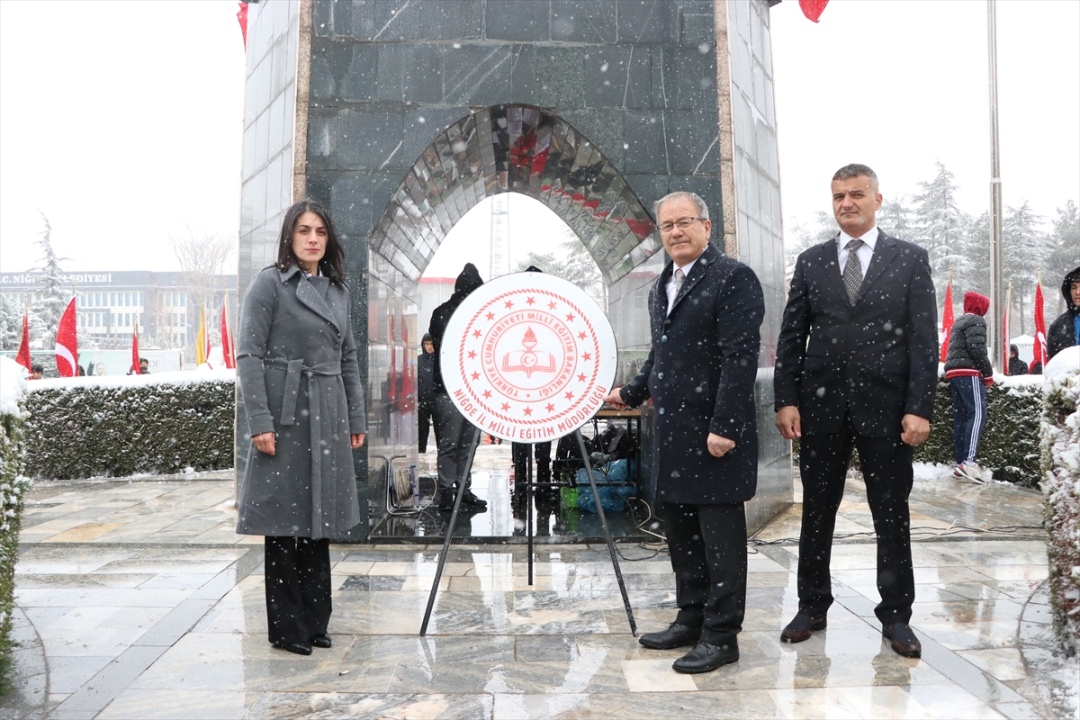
(705, 314)
(856, 365)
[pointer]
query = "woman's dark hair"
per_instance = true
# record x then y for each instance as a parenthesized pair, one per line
(333, 263)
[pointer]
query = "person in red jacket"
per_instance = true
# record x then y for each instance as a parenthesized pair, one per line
(968, 370)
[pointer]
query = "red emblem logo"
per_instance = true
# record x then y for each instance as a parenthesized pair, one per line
(528, 357)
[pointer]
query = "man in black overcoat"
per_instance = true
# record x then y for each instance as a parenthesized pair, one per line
(705, 314)
(856, 365)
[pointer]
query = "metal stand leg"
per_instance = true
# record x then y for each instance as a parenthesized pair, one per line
(607, 532)
(530, 494)
(462, 481)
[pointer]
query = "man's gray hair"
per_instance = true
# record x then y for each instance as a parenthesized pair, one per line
(702, 208)
(855, 170)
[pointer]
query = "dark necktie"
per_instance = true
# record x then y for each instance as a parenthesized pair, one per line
(853, 270)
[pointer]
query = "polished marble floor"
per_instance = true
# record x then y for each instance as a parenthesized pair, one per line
(135, 599)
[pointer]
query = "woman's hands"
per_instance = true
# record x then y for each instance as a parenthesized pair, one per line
(265, 443)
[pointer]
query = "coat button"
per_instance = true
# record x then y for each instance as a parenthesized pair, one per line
(659, 376)
(661, 411)
(663, 338)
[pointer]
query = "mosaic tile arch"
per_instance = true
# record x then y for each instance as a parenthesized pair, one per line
(523, 149)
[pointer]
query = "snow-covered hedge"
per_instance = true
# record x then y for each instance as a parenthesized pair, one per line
(126, 425)
(1010, 442)
(12, 488)
(1061, 489)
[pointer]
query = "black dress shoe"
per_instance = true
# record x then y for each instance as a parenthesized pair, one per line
(298, 648)
(472, 501)
(321, 641)
(800, 627)
(675, 636)
(903, 639)
(706, 657)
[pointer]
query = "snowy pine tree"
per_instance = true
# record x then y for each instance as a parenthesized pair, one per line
(1064, 254)
(1024, 250)
(941, 227)
(11, 317)
(54, 295)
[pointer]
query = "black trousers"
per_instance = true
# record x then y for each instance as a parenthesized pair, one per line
(423, 416)
(297, 572)
(541, 451)
(453, 438)
(886, 467)
(708, 554)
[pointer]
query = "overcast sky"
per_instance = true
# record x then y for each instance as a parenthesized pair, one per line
(122, 121)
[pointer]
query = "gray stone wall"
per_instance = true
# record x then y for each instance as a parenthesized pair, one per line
(643, 80)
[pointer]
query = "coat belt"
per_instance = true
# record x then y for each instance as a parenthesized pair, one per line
(294, 371)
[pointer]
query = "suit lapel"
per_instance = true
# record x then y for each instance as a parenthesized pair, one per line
(697, 273)
(309, 297)
(884, 252)
(828, 260)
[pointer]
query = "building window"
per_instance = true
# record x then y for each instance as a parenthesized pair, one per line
(183, 300)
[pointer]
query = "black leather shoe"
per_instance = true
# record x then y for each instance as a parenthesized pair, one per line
(472, 501)
(321, 641)
(903, 639)
(800, 627)
(446, 499)
(706, 657)
(298, 648)
(675, 636)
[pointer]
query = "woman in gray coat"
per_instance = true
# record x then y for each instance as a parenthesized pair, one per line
(300, 382)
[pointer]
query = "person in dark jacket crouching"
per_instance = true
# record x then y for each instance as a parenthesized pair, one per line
(968, 370)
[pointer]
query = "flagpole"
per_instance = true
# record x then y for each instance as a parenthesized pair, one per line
(995, 186)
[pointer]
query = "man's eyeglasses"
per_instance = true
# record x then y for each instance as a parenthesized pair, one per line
(683, 223)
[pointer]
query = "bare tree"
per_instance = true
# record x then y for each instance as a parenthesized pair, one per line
(202, 257)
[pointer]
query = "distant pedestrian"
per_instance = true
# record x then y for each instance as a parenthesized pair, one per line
(425, 389)
(968, 370)
(1065, 330)
(1016, 365)
(37, 371)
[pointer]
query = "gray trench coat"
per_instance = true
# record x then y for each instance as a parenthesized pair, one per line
(299, 377)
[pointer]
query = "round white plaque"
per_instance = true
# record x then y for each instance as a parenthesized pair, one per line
(528, 357)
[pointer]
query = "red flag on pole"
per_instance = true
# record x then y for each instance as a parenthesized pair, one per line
(392, 390)
(226, 335)
(946, 320)
(812, 9)
(241, 16)
(23, 358)
(407, 384)
(135, 349)
(67, 343)
(1039, 351)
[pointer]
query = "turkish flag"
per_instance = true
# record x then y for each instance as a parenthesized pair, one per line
(226, 335)
(67, 343)
(135, 349)
(946, 321)
(1039, 351)
(812, 9)
(241, 16)
(23, 358)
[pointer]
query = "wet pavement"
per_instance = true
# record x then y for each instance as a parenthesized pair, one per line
(135, 599)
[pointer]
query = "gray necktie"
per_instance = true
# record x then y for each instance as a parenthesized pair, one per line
(853, 270)
(679, 277)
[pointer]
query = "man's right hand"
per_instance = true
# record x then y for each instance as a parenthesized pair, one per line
(265, 443)
(614, 399)
(789, 422)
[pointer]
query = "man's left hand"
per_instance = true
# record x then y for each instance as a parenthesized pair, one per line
(916, 430)
(719, 446)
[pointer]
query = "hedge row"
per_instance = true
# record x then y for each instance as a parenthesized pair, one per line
(1061, 492)
(12, 489)
(1010, 441)
(167, 425)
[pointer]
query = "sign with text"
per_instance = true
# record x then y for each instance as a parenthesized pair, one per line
(528, 357)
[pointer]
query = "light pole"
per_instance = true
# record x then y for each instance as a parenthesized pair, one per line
(997, 309)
